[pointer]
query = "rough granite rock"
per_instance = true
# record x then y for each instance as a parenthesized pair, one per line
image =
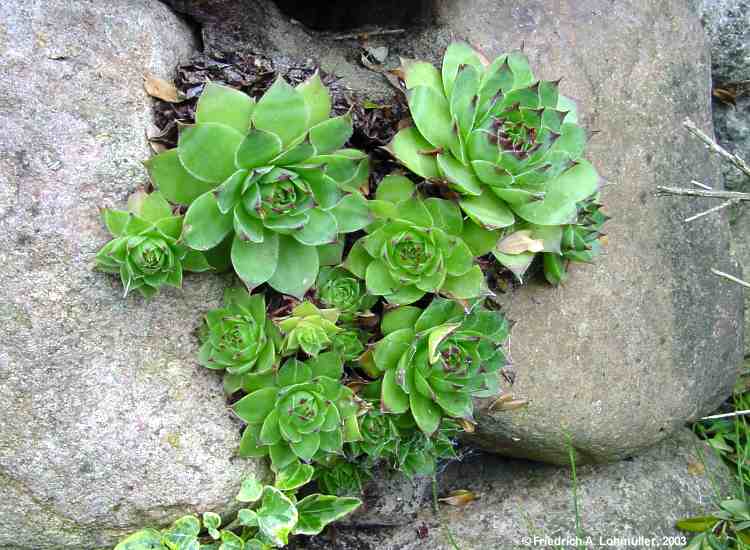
(741, 246)
(389, 498)
(641, 497)
(107, 424)
(727, 24)
(732, 123)
(646, 338)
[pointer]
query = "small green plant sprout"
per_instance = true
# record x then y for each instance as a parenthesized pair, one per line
(415, 247)
(238, 338)
(417, 453)
(349, 343)
(435, 360)
(380, 437)
(308, 329)
(337, 288)
(507, 143)
(276, 515)
(145, 250)
(302, 412)
(581, 242)
(342, 477)
(272, 176)
(727, 528)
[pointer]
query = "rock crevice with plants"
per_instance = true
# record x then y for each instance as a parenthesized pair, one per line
(373, 222)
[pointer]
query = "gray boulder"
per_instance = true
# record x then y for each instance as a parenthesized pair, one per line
(389, 498)
(727, 24)
(645, 339)
(107, 424)
(530, 505)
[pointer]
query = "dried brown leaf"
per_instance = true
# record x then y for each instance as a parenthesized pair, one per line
(161, 89)
(508, 404)
(727, 97)
(695, 467)
(519, 242)
(460, 497)
(469, 427)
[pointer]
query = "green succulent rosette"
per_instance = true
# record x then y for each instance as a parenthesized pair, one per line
(270, 176)
(146, 251)
(416, 246)
(342, 478)
(434, 361)
(309, 329)
(580, 242)
(302, 412)
(337, 288)
(417, 453)
(380, 436)
(349, 343)
(238, 338)
(507, 143)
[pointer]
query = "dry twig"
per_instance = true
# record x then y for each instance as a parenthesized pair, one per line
(738, 162)
(730, 277)
(726, 195)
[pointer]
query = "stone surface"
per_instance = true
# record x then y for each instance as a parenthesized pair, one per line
(389, 498)
(741, 246)
(107, 424)
(641, 497)
(647, 338)
(727, 24)
(732, 123)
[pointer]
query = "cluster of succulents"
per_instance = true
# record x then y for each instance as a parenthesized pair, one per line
(366, 350)
(507, 143)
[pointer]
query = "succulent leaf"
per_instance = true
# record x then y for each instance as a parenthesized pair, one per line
(205, 225)
(282, 111)
(317, 100)
(296, 269)
(207, 151)
(255, 263)
(414, 152)
(226, 106)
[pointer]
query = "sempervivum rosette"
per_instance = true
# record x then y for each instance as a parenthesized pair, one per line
(145, 251)
(434, 361)
(302, 412)
(507, 142)
(272, 176)
(414, 247)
